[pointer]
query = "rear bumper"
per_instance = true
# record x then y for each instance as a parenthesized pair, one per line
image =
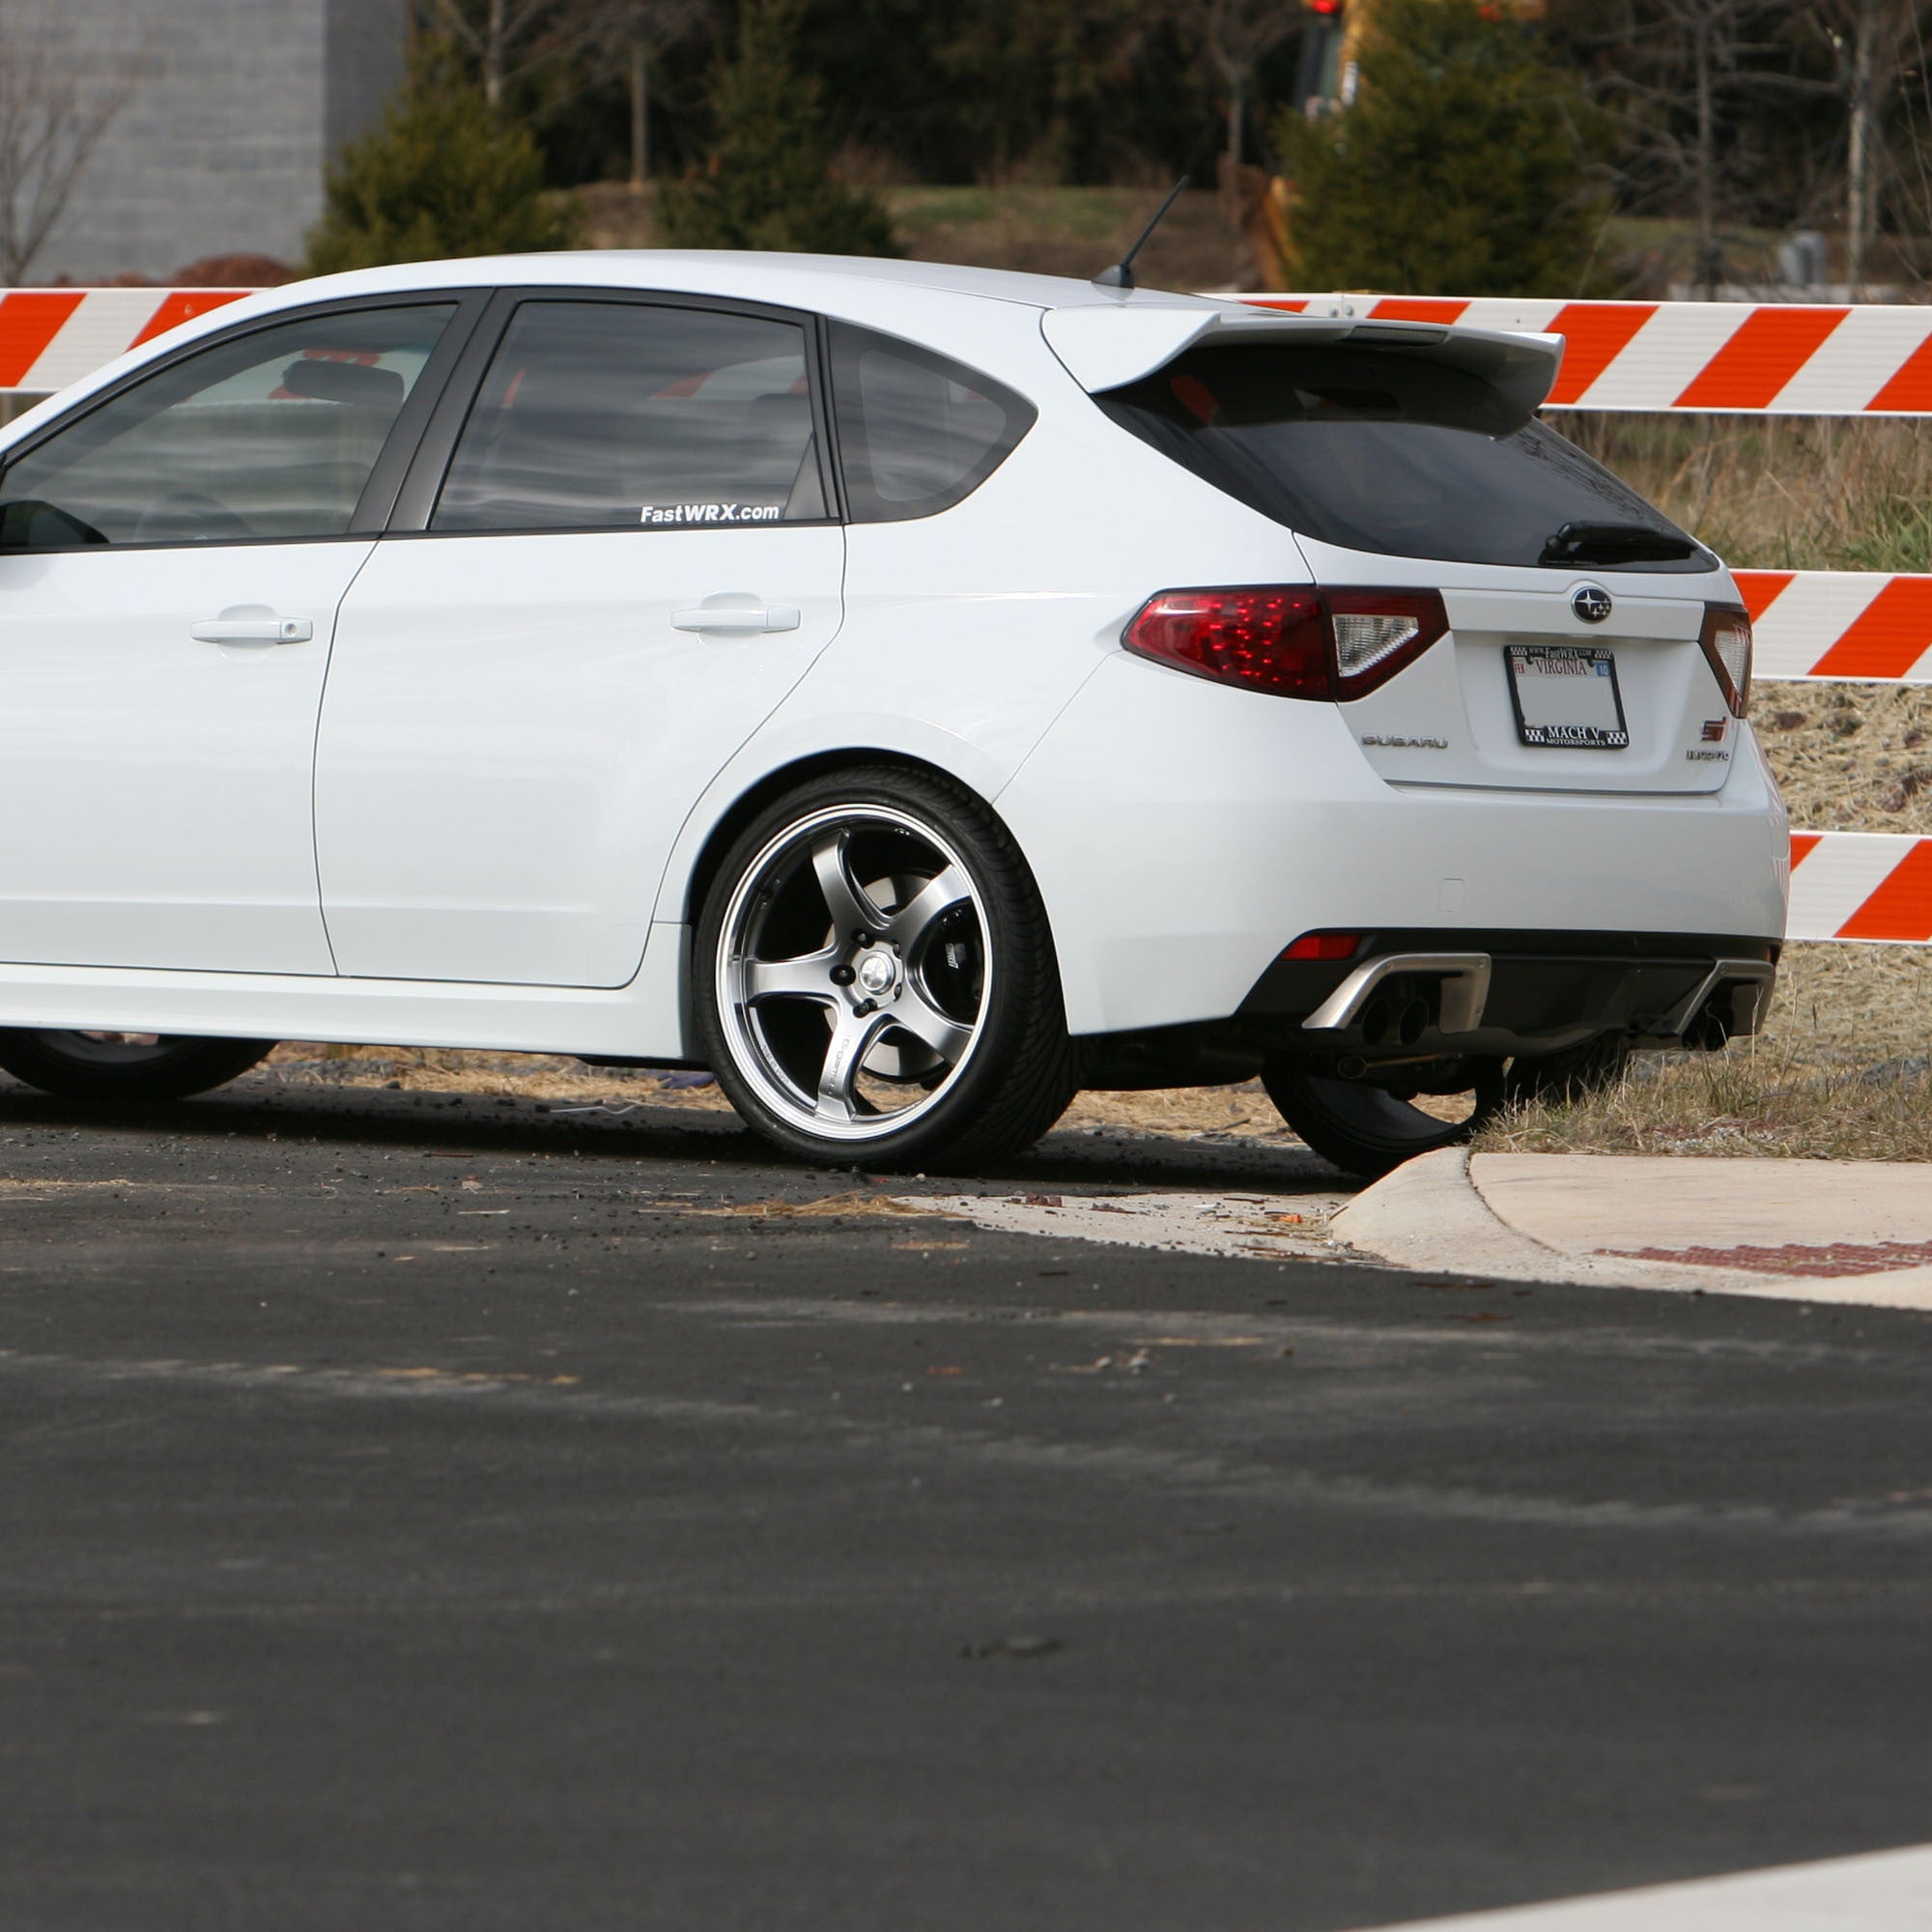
(1449, 995)
(1183, 834)
(1437, 991)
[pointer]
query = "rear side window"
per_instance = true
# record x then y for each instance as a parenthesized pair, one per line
(269, 435)
(1400, 454)
(620, 415)
(916, 432)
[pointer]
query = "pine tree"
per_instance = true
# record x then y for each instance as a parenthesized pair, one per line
(445, 174)
(768, 182)
(1461, 168)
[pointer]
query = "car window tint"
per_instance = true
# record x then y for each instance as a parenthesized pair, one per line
(916, 432)
(597, 415)
(1378, 451)
(268, 434)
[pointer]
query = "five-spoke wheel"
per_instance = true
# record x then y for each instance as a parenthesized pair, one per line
(874, 976)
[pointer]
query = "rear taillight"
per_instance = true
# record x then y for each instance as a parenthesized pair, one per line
(1726, 638)
(1289, 639)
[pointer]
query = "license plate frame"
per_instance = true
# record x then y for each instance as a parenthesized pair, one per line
(1543, 732)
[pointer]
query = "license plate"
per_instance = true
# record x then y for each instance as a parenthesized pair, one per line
(1566, 696)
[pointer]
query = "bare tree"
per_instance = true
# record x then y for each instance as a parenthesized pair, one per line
(504, 37)
(1681, 68)
(1235, 36)
(1869, 40)
(625, 38)
(54, 111)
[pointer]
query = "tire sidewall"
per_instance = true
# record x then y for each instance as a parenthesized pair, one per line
(189, 1064)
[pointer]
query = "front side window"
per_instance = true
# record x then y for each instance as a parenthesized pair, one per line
(272, 435)
(620, 415)
(916, 432)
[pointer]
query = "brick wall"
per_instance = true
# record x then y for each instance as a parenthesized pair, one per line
(222, 146)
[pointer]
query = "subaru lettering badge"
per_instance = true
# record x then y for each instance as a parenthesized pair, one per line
(1591, 602)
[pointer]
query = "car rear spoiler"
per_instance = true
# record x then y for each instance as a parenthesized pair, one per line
(1110, 343)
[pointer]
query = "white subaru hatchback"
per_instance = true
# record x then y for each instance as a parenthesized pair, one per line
(912, 693)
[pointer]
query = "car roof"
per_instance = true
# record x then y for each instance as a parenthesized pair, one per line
(1104, 336)
(732, 272)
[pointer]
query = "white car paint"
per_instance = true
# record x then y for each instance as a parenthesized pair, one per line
(521, 768)
(155, 786)
(514, 733)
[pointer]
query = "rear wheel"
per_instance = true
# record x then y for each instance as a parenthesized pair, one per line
(135, 1066)
(1369, 1131)
(874, 980)
(1570, 1075)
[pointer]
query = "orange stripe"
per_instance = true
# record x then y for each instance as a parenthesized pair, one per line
(1760, 588)
(1595, 334)
(1892, 633)
(28, 322)
(183, 305)
(1902, 906)
(1911, 386)
(1770, 348)
(1419, 309)
(1802, 843)
(1293, 305)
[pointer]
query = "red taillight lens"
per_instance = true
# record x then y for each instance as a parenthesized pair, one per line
(1288, 639)
(1269, 640)
(1324, 946)
(1726, 638)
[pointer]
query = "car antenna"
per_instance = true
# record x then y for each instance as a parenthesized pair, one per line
(1121, 275)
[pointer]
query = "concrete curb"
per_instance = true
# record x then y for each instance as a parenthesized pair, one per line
(1429, 1213)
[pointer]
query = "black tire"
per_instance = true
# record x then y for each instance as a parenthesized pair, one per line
(1570, 1075)
(1366, 1131)
(858, 899)
(135, 1068)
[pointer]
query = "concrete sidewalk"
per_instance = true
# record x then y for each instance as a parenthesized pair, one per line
(1852, 1232)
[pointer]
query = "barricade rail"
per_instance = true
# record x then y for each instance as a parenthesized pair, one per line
(1764, 360)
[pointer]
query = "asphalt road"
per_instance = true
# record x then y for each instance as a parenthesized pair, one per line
(426, 1514)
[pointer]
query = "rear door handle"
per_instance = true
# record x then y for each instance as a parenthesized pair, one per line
(737, 620)
(253, 631)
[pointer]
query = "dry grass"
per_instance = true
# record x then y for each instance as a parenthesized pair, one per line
(1850, 758)
(1757, 1097)
(1772, 493)
(1839, 1073)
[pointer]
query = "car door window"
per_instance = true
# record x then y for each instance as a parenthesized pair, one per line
(270, 435)
(622, 415)
(916, 432)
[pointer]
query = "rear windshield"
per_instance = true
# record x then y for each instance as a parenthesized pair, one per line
(1376, 451)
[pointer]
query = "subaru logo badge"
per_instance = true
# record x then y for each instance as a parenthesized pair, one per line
(1591, 602)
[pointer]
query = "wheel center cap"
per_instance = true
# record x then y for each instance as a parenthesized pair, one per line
(876, 972)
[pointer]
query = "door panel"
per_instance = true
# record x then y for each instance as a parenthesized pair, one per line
(172, 555)
(157, 788)
(627, 565)
(514, 733)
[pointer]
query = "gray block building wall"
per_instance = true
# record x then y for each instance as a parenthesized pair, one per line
(221, 145)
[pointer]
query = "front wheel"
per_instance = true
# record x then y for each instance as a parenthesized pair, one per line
(874, 980)
(1371, 1132)
(132, 1067)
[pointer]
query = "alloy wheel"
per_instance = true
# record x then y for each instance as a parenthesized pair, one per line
(853, 971)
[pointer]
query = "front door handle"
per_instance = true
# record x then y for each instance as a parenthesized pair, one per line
(736, 619)
(253, 631)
